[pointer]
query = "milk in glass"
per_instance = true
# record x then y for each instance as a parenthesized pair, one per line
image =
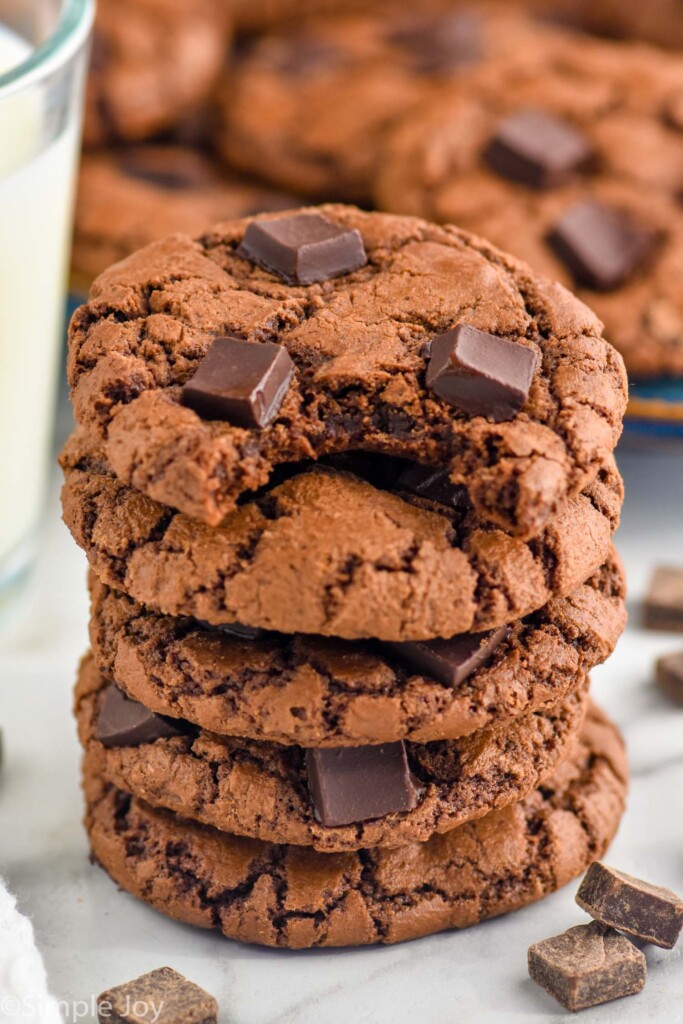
(36, 197)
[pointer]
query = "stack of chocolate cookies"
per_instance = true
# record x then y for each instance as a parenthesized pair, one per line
(346, 487)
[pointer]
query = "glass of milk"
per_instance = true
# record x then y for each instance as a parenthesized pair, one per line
(43, 56)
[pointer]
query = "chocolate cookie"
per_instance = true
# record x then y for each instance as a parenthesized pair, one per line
(153, 62)
(570, 155)
(297, 898)
(265, 791)
(326, 552)
(318, 692)
(132, 196)
(308, 107)
(348, 361)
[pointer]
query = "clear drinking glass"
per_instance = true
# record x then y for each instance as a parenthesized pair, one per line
(43, 54)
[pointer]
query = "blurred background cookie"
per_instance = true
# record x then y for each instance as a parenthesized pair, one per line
(132, 196)
(153, 63)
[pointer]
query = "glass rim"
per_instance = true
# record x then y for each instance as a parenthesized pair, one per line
(70, 33)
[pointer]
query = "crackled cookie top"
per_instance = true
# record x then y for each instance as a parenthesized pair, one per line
(307, 107)
(132, 196)
(570, 156)
(267, 791)
(153, 62)
(357, 348)
(294, 897)
(327, 552)
(318, 692)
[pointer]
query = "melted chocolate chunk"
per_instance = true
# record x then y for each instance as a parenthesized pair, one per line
(587, 965)
(239, 632)
(601, 246)
(432, 484)
(479, 373)
(353, 784)
(648, 912)
(240, 381)
(438, 44)
(537, 149)
(123, 722)
(303, 248)
(450, 661)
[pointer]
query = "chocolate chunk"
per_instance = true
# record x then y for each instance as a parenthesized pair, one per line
(155, 167)
(352, 784)
(240, 381)
(432, 484)
(645, 911)
(537, 149)
(303, 248)
(669, 675)
(479, 373)
(451, 661)
(601, 246)
(438, 44)
(663, 608)
(123, 722)
(587, 965)
(160, 997)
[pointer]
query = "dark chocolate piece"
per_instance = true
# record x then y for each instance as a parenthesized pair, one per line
(123, 722)
(537, 149)
(479, 373)
(440, 43)
(353, 784)
(450, 661)
(240, 381)
(303, 248)
(432, 484)
(601, 246)
(669, 675)
(663, 609)
(151, 168)
(160, 997)
(587, 965)
(648, 912)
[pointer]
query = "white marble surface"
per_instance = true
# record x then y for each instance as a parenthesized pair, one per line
(93, 936)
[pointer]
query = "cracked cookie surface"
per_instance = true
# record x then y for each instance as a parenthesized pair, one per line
(358, 347)
(626, 101)
(260, 789)
(313, 691)
(325, 552)
(153, 62)
(293, 897)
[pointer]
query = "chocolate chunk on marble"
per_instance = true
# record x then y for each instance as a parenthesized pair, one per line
(123, 722)
(648, 912)
(663, 609)
(353, 784)
(432, 484)
(479, 373)
(161, 997)
(587, 965)
(451, 661)
(669, 676)
(303, 248)
(537, 149)
(600, 245)
(438, 44)
(240, 381)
